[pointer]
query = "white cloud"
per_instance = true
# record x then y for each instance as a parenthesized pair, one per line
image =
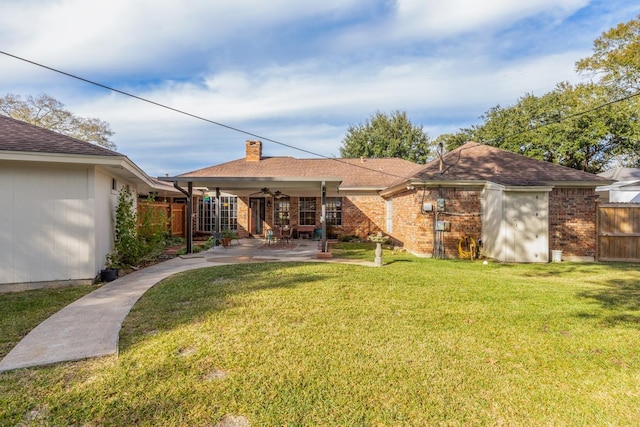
(143, 33)
(445, 18)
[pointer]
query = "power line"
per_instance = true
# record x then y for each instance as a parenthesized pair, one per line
(176, 110)
(235, 129)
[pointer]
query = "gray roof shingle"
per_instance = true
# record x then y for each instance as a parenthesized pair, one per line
(476, 162)
(354, 173)
(19, 136)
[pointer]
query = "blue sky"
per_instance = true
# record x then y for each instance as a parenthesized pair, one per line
(298, 72)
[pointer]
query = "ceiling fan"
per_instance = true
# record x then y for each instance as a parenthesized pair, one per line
(266, 192)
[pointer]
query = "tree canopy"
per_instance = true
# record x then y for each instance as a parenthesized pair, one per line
(47, 112)
(386, 136)
(616, 57)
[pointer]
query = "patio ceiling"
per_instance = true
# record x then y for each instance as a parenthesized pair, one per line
(246, 186)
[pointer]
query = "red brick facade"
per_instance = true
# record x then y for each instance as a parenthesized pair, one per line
(572, 218)
(572, 221)
(414, 228)
(362, 215)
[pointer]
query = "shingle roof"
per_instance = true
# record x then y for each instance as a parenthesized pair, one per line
(16, 135)
(476, 162)
(354, 173)
(622, 174)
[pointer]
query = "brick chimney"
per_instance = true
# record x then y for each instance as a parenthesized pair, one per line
(254, 151)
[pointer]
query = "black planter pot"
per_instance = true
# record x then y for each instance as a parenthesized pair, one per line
(109, 274)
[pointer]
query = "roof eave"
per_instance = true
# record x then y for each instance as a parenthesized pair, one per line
(26, 156)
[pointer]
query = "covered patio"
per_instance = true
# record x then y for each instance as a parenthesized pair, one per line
(259, 196)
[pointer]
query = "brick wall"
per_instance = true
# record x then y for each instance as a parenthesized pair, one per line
(415, 229)
(572, 221)
(411, 228)
(243, 217)
(253, 151)
(363, 215)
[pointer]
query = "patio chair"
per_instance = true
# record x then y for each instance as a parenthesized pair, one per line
(286, 234)
(269, 237)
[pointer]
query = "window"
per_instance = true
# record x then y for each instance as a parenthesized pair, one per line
(228, 213)
(208, 219)
(307, 211)
(281, 210)
(334, 210)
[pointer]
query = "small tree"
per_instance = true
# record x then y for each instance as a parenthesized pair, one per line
(125, 245)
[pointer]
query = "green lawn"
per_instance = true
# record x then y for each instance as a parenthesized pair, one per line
(416, 342)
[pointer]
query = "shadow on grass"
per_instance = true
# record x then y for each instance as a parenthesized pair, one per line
(621, 300)
(394, 261)
(191, 296)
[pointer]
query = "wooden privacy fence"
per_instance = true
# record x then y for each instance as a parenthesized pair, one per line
(176, 212)
(618, 232)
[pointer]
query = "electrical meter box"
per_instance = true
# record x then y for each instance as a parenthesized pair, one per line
(443, 226)
(427, 207)
(440, 205)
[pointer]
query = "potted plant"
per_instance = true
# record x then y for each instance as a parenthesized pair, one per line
(112, 268)
(227, 236)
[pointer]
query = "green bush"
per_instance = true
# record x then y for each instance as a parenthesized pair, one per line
(133, 243)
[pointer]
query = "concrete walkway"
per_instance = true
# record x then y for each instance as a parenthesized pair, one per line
(90, 326)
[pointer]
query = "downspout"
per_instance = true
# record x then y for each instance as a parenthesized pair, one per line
(189, 194)
(323, 218)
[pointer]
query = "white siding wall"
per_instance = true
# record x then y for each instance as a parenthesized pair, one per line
(47, 228)
(624, 195)
(106, 201)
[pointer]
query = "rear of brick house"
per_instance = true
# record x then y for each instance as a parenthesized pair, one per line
(518, 208)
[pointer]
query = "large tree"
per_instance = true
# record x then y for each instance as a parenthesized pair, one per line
(616, 57)
(47, 112)
(385, 136)
(590, 126)
(575, 126)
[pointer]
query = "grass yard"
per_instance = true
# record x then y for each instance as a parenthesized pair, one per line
(416, 342)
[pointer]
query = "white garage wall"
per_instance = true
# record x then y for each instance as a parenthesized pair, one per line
(106, 201)
(46, 224)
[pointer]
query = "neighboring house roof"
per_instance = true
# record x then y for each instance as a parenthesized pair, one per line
(353, 173)
(477, 163)
(627, 180)
(622, 174)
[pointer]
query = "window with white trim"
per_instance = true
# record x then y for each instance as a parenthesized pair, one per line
(281, 210)
(333, 211)
(307, 209)
(208, 218)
